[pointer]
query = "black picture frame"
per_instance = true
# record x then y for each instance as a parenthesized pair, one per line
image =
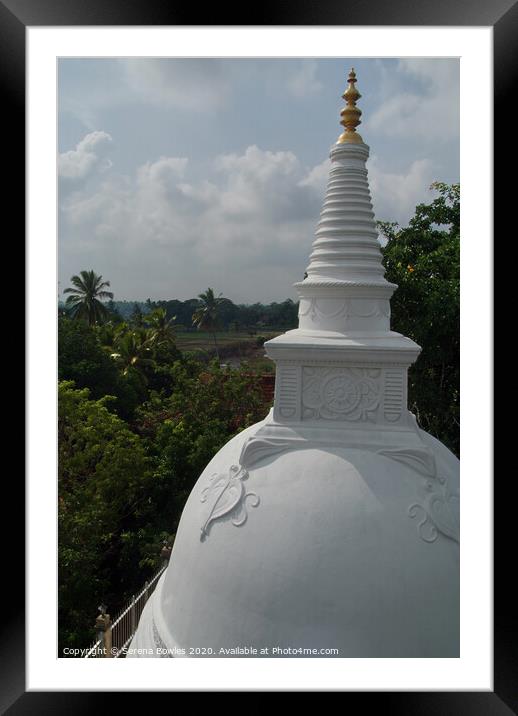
(502, 15)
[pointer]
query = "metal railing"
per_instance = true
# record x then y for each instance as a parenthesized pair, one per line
(114, 637)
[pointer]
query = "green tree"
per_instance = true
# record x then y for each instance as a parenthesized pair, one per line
(107, 334)
(161, 332)
(162, 342)
(104, 488)
(184, 430)
(84, 359)
(424, 260)
(133, 352)
(207, 316)
(84, 300)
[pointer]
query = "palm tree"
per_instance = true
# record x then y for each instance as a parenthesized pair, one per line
(206, 317)
(161, 330)
(133, 351)
(84, 300)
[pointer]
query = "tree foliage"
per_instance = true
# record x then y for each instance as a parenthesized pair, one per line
(123, 484)
(273, 316)
(184, 434)
(84, 301)
(83, 359)
(207, 316)
(104, 480)
(423, 258)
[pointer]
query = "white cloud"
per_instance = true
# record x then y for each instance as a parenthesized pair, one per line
(185, 84)
(303, 82)
(261, 183)
(395, 196)
(208, 84)
(249, 228)
(88, 155)
(164, 171)
(245, 229)
(419, 100)
(317, 178)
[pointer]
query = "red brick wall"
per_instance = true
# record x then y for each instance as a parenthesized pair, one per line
(268, 387)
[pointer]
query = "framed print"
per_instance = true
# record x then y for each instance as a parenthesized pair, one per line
(40, 35)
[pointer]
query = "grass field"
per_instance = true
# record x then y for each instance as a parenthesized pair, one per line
(234, 347)
(201, 340)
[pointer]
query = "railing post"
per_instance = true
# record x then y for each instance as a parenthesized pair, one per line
(103, 628)
(108, 638)
(99, 633)
(133, 621)
(165, 553)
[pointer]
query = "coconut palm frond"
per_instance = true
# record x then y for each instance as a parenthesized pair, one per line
(84, 299)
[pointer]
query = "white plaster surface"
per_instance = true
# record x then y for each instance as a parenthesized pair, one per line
(329, 558)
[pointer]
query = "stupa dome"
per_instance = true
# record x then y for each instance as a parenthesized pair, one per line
(333, 524)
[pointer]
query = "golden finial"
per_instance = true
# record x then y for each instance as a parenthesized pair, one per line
(350, 113)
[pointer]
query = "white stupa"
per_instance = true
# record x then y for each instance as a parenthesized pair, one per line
(333, 523)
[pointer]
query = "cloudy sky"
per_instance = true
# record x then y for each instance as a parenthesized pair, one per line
(179, 174)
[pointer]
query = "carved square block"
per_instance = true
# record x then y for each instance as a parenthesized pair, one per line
(341, 393)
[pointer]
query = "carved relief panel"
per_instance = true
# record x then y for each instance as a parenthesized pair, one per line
(351, 394)
(344, 314)
(340, 393)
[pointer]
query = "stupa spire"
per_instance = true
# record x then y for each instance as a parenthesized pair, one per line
(344, 345)
(350, 113)
(346, 252)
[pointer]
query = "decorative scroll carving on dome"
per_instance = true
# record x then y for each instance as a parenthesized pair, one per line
(228, 496)
(260, 448)
(419, 459)
(439, 511)
(160, 644)
(437, 506)
(351, 394)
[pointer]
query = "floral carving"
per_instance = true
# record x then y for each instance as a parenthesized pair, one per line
(228, 496)
(439, 508)
(340, 393)
(439, 511)
(346, 310)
